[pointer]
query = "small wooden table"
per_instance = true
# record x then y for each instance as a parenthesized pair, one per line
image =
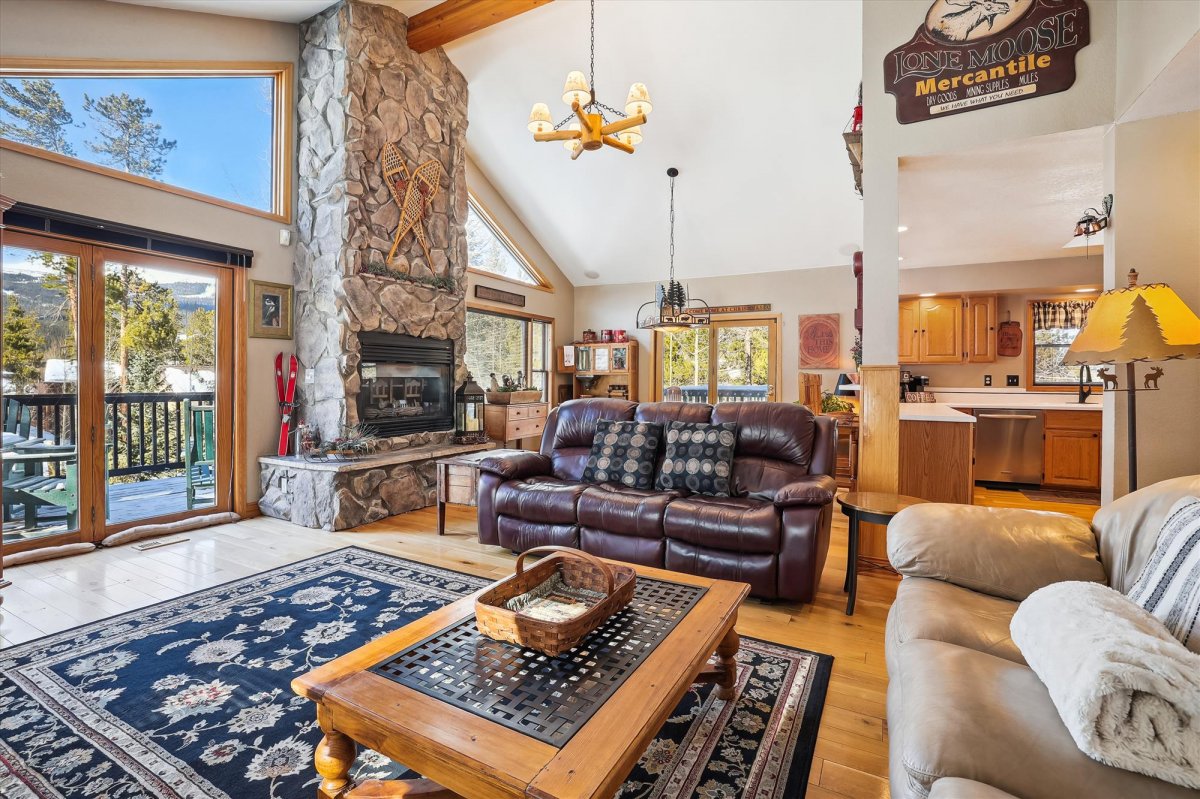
(867, 506)
(458, 481)
(469, 753)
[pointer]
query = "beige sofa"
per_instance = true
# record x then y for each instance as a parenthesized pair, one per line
(962, 704)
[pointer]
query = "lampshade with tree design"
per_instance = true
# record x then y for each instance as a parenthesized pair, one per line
(1135, 324)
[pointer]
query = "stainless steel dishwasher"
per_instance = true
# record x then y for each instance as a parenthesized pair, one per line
(1008, 445)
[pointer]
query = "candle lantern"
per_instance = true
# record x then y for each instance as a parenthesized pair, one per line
(468, 413)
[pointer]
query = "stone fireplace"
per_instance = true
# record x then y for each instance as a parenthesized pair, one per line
(379, 342)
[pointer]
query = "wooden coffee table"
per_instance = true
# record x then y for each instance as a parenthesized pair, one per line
(480, 719)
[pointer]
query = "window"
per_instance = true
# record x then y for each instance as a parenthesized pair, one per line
(502, 344)
(730, 360)
(1053, 326)
(212, 133)
(491, 252)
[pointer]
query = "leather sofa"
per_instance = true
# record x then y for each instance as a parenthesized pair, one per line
(773, 533)
(966, 716)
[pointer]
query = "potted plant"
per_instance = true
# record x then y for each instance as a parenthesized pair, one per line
(511, 390)
(856, 356)
(833, 405)
(355, 442)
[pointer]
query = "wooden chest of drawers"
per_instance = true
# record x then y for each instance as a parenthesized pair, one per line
(514, 422)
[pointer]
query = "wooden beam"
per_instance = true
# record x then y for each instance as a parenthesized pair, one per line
(454, 19)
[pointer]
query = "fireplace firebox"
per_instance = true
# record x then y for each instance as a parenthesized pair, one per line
(407, 384)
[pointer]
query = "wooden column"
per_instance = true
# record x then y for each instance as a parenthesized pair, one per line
(879, 448)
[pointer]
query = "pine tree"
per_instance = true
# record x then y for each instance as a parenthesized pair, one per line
(34, 114)
(141, 319)
(62, 278)
(128, 139)
(24, 346)
(199, 348)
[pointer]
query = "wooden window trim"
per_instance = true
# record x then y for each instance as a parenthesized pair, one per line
(774, 320)
(527, 317)
(490, 220)
(283, 111)
(1030, 385)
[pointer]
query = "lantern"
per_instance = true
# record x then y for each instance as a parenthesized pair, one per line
(468, 413)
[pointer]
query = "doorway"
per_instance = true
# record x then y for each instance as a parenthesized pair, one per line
(729, 360)
(117, 389)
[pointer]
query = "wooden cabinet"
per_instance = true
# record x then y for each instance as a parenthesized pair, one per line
(951, 329)
(941, 330)
(980, 329)
(910, 330)
(514, 422)
(601, 370)
(1071, 457)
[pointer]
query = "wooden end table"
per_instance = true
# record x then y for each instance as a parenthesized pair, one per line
(458, 481)
(867, 506)
(446, 726)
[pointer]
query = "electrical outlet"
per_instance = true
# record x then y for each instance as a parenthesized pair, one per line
(987, 380)
(1014, 380)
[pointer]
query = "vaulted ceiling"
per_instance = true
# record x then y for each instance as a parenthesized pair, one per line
(750, 100)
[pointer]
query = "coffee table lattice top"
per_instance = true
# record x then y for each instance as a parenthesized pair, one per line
(546, 698)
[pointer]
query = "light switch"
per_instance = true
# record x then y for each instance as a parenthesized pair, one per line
(1014, 380)
(285, 237)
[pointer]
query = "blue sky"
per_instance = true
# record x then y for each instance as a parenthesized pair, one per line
(222, 127)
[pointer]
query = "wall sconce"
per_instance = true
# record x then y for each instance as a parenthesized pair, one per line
(1093, 221)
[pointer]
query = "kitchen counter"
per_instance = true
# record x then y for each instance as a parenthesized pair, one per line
(1010, 398)
(933, 412)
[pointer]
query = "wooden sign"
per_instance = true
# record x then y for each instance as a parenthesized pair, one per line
(820, 339)
(971, 54)
(1008, 339)
(497, 295)
(766, 306)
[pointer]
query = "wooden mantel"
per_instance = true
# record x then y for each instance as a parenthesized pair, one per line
(454, 19)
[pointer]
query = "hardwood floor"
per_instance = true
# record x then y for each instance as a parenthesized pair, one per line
(851, 753)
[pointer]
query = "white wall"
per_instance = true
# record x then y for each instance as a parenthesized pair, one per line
(1149, 35)
(790, 293)
(1156, 229)
(92, 29)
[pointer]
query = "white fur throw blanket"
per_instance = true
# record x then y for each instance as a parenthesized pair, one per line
(1127, 690)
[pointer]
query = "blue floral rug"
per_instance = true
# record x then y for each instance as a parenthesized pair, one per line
(189, 699)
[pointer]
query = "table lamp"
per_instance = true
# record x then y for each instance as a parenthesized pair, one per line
(1131, 325)
(842, 390)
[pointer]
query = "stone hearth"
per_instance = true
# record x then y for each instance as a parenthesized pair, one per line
(360, 86)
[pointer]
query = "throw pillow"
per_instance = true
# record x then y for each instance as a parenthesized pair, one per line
(698, 458)
(623, 452)
(1169, 585)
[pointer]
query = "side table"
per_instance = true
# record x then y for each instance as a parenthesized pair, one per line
(458, 481)
(867, 506)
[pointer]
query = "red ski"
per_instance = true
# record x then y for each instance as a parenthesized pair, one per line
(287, 399)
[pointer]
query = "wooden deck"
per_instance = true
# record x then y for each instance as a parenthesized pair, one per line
(127, 502)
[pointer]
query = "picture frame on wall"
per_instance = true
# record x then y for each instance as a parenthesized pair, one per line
(270, 310)
(820, 341)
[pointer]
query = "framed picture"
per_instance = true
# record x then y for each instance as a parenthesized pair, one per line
(820, 341)
(270, 310)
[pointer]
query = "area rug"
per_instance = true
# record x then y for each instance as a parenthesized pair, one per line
(190, 698)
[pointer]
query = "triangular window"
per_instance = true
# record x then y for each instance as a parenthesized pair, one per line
(491, 252)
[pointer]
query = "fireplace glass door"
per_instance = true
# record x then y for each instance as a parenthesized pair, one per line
(406, 384)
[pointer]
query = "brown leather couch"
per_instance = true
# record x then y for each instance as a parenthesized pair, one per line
(773, 533)
(962, 706)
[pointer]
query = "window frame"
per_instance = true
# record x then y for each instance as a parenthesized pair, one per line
(489, 219)
(283, 110)
(772, 321)
(527, 318)
(1030, 347)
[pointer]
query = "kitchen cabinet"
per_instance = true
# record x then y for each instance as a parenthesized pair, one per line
(980, 329)
(601, 369)
(910, 330)
(950, 329)
(1071, 457)
(941, 330)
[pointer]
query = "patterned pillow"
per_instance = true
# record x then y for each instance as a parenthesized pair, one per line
(623, 452)
(1169, 585)
(698, 458)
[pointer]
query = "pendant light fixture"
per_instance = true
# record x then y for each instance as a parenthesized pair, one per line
(672, 309)
(589, 127)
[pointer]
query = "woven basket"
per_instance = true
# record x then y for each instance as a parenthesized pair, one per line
(513, 397)
(577, 570)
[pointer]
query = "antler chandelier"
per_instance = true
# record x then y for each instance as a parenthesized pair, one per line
(591, 128)
(673, 309)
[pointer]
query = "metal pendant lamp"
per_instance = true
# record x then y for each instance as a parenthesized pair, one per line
(672, 309)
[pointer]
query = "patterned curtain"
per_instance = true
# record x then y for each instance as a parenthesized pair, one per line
(1060, 314)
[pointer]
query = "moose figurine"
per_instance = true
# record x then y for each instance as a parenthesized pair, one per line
(1110, 379)
(1151, 381)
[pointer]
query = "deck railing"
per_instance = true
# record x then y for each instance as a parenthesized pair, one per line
(143, 430)
(725, 393)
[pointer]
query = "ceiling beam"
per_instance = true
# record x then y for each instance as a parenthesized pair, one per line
(454, 19)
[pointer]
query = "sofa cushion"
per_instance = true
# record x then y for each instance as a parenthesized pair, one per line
(1127, 528)
(623, 452)
(625, 548)
(697, 458)
(1005, 552)
(774, 445)
(939, 611)
(1169, 586)
(954, 788)
(760, 571)
(955, 712)
(626, 511)
(540, 499)
(520, 535)
(571, 427)
(735, 524)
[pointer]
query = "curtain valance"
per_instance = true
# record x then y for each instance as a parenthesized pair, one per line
(1060, 314)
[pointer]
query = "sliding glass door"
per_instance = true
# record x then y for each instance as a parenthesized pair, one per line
(117, 395)
(734, 360)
